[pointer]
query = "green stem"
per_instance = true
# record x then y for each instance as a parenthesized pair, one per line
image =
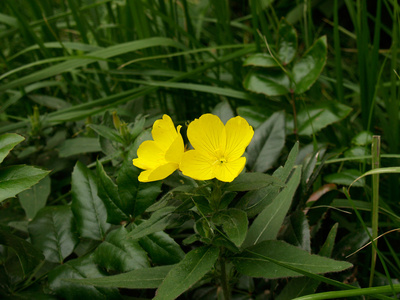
(224, 281)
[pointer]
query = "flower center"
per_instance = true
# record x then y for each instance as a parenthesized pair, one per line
(219, 161)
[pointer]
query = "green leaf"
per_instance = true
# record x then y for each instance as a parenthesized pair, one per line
(79, 145)
(252, 181)
(307, 69)
(88, 209)
(255, 201)
(234, 223)
(297, 287)
(268, 223)
(277, 259)
(28, 256)
(7, 142)
(315, 117)
(135, 196)
(254, 115)
(34, 199)
(149, 278)
(287, 42)
(191, 269)
(267, 81)
(296, 231)
(161, 248)
(362, 139)
(108, 192)
(83, 267)
(263, 60)
(53, 232)
(158, 221)
(117, 253)
(224, 111)
(283, 172)
(267, 143)
(346, 177)
(49, 101)
(15, 179)
(107, 132)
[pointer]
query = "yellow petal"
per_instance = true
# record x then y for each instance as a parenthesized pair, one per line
(197, 165)
(175, 151)
(164, 132)
(228, 171)
(238, 136)
(158, 173)
(149, 155)
(207, 134)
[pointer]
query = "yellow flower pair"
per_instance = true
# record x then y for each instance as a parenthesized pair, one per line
(217, 152)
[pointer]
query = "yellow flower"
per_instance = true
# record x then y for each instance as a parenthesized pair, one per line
(218, 149)
(160, 157)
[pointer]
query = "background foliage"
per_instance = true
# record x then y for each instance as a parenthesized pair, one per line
(82, 81)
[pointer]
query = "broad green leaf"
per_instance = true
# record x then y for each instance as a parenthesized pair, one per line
(224, 111)
(53, 232)
(108, 192)
(158, 221)
(297, 287)
(234, 223)
(117, 253)
(252, 181)
(79, 268)
(268, 223)
(267, 81)
(267, 143)
(162, 249)
(107, 132)
(79, 145)
(346, 177)
(148, 278)
(135, 196)
(264, 60)
(87, 207)
(307, 69)
(254, 115)
(7, 142)
(315, 117)
(35, 198)
(191, 269)
(277, 259)
(28, 256)
(362, 139)
(287, 42)
(296, 231)
(15, 179)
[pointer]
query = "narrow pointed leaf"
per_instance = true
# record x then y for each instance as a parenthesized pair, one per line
(87, 207)
(15, 179)
(53, 232)
(270, 258)
(148, 278)
(7, 142)
(191, 269)
(107, 132)
(264, 60)
(268, 223)
(252, 181)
